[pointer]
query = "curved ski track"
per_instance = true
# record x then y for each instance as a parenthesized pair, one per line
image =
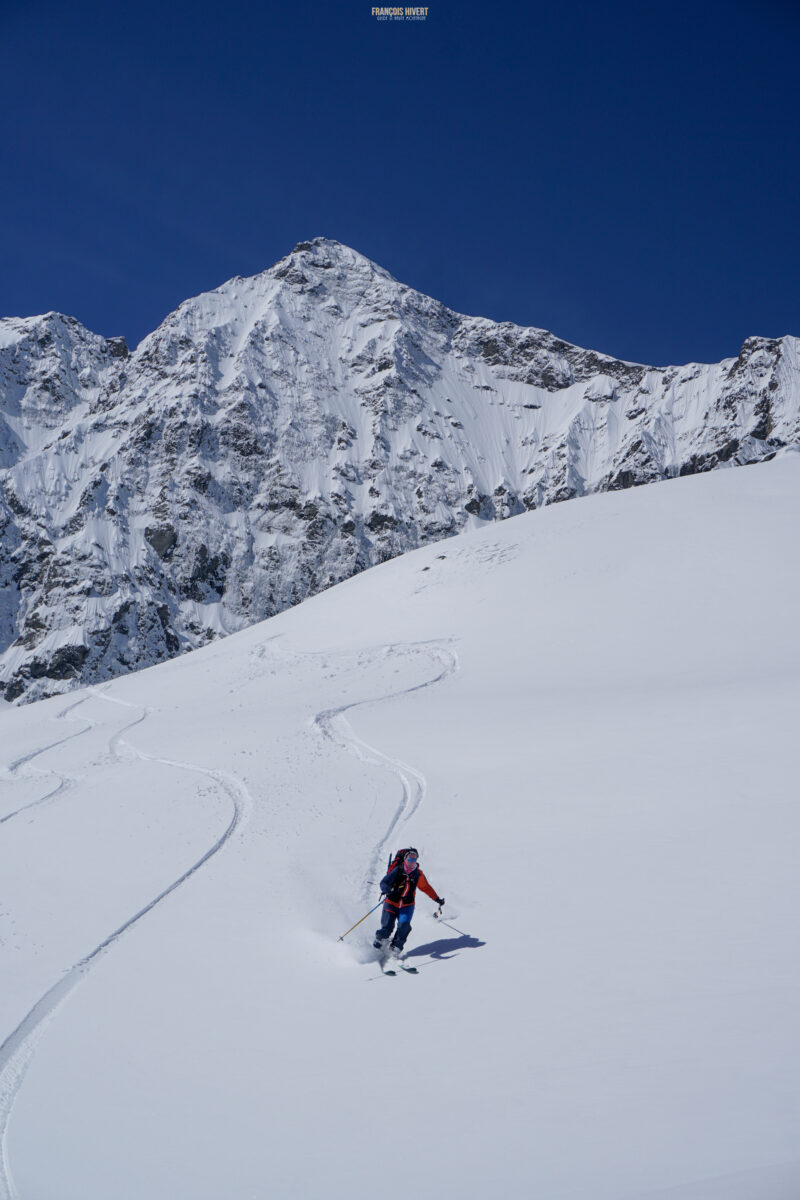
(333, 724)
(23, 763)
(18, 1049)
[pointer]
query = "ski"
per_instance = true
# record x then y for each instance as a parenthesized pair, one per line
(384, 960)
(388, 964)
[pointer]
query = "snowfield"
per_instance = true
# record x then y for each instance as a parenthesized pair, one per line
(586, 719)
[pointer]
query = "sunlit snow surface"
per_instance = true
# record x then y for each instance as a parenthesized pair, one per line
(586, 719)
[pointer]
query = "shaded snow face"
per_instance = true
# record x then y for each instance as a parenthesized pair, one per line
(280, 434)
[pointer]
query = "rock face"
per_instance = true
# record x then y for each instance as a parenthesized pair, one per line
(281, 433)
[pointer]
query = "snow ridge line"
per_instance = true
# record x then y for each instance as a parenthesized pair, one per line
(333, 725)
(25, 760)
(18, 1049)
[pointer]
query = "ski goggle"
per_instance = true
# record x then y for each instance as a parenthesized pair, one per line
(410, 861)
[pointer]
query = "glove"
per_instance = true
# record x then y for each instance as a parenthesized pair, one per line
(440, 901)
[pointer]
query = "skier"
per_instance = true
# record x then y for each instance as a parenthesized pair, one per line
(399, 886)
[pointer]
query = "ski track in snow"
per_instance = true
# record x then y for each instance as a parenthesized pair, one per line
(17, 1051)
(334, 725)
(22, 765)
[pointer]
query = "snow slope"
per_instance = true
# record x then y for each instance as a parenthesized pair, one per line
(586, 719)
(279, 434)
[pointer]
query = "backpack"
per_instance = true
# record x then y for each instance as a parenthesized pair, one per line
(400, 855)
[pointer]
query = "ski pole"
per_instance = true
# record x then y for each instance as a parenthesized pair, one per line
(352, 927)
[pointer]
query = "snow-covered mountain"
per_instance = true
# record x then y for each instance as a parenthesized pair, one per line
(586, 720)
(281, 433)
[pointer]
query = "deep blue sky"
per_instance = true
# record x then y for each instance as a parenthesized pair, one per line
(625, 174)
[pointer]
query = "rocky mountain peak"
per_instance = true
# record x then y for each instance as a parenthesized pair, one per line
(282, 432)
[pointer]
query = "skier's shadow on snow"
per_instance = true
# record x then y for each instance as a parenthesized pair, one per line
(445, 948)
